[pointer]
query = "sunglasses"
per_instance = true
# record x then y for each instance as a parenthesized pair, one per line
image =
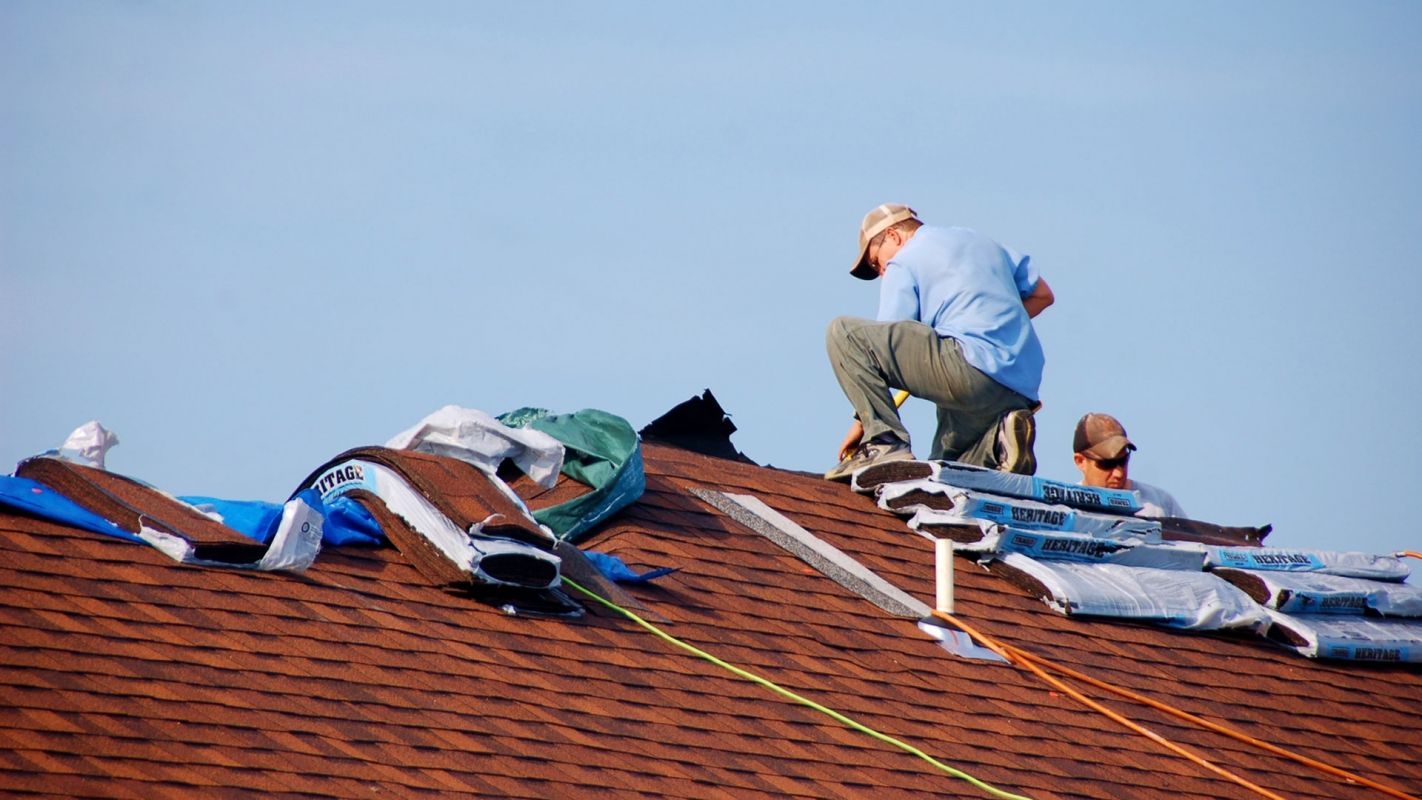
(874, 256)
(1108, 464)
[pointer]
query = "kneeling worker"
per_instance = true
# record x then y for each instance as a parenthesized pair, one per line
(1102, 452)
(954, 327)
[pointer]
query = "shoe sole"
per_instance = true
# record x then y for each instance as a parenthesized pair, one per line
(844, 473)
(1019, 429)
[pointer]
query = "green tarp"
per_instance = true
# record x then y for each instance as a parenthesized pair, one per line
(603, 451)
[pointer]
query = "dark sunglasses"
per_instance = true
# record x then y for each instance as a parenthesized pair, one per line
(1108, 464)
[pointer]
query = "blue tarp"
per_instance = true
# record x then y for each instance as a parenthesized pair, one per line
(254, 519)
(39, 500)
(347, 522)
(615, 569)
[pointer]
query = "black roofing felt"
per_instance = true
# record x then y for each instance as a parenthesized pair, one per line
(699, 425)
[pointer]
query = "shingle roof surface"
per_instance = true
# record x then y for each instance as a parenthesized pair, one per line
(124, 674)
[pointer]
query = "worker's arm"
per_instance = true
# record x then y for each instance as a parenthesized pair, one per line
(851, 440)
(1039, 299)
(856, 431)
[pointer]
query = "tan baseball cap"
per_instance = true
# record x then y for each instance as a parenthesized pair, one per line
(1100, 436)
(876, 222)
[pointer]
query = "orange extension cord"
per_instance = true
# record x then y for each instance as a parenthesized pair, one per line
(998, 648)
(1030, 662)
(1213, 726)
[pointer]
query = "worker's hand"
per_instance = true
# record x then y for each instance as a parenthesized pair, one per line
(851, 440)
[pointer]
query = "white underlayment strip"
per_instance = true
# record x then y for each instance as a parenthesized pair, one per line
(421, 515)
(828, 559)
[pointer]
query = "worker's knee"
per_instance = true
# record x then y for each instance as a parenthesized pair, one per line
(838, 331)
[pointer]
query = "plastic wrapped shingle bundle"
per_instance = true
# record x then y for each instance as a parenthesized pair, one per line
(914, 496)
(964, 476)
(968, 535)
(1084, 548)
(1277, 559)
(1349, 638)
(906, 498)
(1322, 593)
(1174, 598)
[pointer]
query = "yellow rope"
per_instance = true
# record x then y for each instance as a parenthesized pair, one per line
(786, 693)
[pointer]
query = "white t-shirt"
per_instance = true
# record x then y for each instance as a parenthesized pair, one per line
(1156, 502)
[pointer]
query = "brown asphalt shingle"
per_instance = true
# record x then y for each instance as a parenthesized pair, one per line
(124, 674)
(132, 506)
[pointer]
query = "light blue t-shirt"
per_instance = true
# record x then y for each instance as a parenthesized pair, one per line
(967, 286)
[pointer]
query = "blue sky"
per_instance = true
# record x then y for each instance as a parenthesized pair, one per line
(248, 236)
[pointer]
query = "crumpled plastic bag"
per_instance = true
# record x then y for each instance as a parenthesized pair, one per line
(87, 445)
(476, 437)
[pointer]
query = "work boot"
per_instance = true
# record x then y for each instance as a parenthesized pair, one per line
(1016, 434)
(868, 454)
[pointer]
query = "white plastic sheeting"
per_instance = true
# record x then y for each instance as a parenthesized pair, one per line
(1276, 559)
(88, 445)
(1351, 638)
(476, 437)
(1175, 598)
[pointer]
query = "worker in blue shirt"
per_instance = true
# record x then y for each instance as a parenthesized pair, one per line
(954, 327)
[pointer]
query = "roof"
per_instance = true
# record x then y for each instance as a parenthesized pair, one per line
(127, 674)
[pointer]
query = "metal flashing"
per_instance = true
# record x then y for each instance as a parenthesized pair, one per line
(834, 563)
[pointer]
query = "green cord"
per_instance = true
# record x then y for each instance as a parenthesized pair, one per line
(957, 773)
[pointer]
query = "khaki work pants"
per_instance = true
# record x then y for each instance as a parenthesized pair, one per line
(871, 359)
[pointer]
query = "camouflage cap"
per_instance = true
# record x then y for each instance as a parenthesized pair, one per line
(1100, 437)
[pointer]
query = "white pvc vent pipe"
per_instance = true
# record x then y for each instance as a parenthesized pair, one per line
(943, 562)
